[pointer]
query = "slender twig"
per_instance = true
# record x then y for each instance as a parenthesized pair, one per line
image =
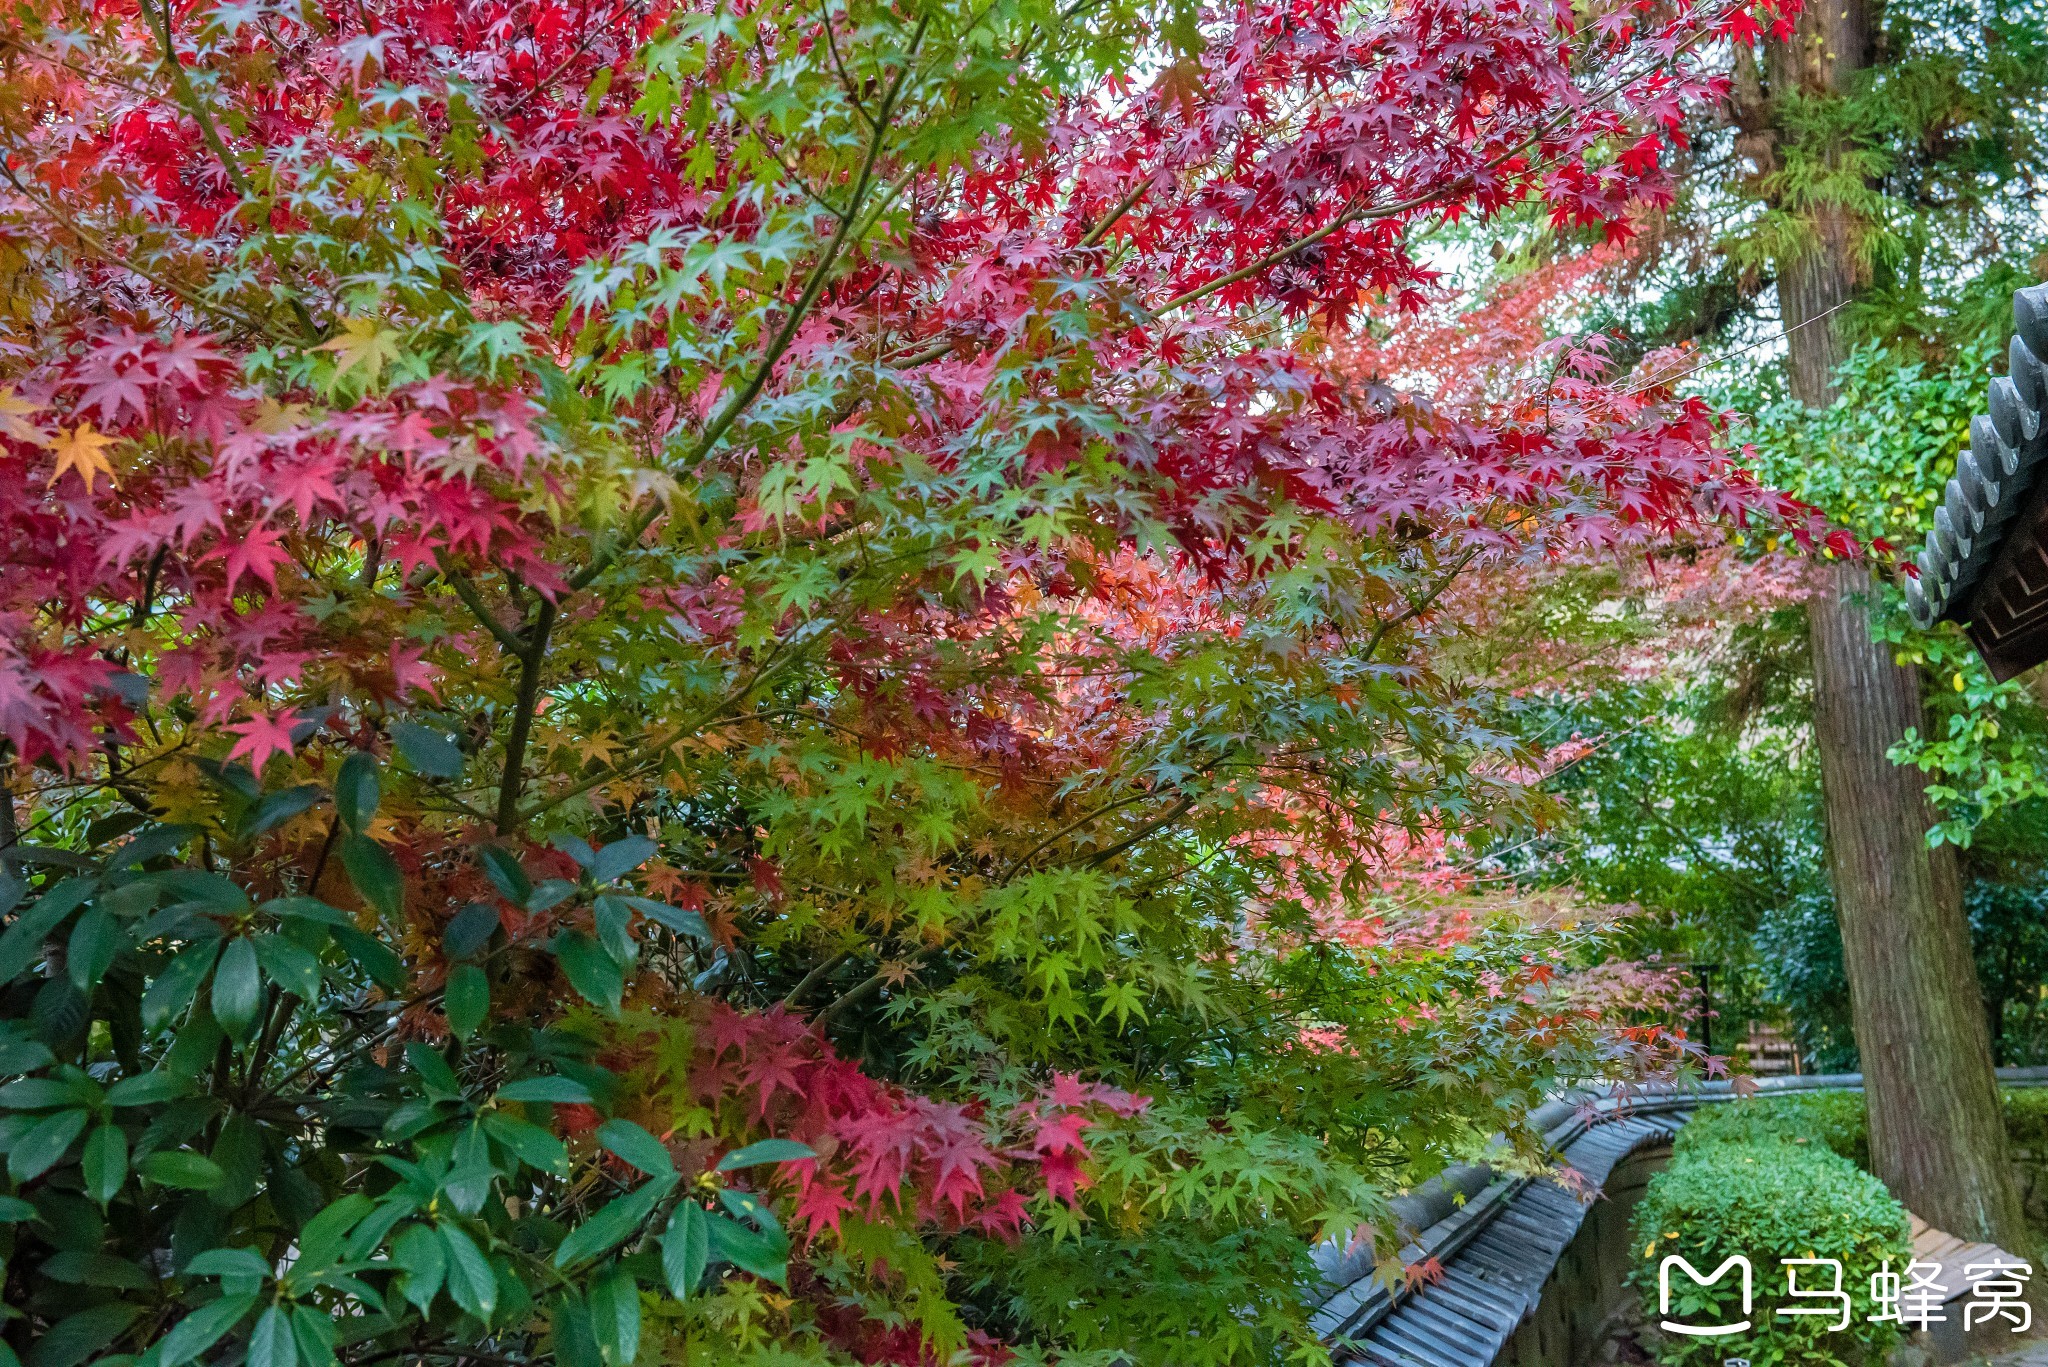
(1656, 381)
(867, 987)
(471, 599)
(1116, 213)
(100, 248)
(1359, 213)
(1416, 610)
(1018, 864)
(649, 754)
(1152, 827)
(817, 975)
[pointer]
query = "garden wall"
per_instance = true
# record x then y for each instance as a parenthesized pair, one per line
(1587, 1287)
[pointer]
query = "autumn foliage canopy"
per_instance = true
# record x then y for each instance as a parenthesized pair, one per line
(737, 681)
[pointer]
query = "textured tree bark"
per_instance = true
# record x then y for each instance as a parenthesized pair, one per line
(1936, 1135)
(1937, 1138)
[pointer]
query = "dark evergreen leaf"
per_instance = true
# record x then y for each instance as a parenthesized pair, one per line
(375, 875)
(426, 750)
(36, 1152)
(531, 1144)
(591, 971)
(182, 1168)
(505, 873)
(471, 1283)
(766, 1151)
(620, 858)
(96, 938)
(686, 1249)
(105, 1163)
(172, 990)
(615, 1316)
(237, 988)
(614, 1222)
(79, 1336)
(22, 942)
(634, 1144)
(201, 1329)
(470, 931)
(357, 792)
(466, 999)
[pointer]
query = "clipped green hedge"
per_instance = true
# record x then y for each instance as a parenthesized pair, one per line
(1763, 1180)
(1836, 1119)
(2026, 1120)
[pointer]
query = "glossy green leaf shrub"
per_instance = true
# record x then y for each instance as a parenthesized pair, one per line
(1760, 1180)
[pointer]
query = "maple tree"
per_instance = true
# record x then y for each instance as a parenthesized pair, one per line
(739, 679)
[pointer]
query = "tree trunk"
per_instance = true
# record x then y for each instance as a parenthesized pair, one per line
(1936, 1135)
(1937, 1138)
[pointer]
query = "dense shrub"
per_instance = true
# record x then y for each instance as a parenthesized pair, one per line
(1758, 1179)
(1835, 1119)
(2026, 1120)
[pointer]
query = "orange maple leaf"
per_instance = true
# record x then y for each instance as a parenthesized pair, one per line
(82, 449)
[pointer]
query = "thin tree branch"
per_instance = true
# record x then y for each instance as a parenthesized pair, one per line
(1416, 610)
(817, 975)
(473, 600)
(514, 775)
(715, 431)
(160, 15)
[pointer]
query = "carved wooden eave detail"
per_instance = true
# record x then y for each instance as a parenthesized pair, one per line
(1985, 564)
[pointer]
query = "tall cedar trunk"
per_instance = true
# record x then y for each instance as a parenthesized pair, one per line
(1936, 1135)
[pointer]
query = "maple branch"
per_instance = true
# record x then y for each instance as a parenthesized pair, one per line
(825, 969)
(1416, 610)
(514, 775)
(1356, 213)
(873, 982)
(36, 54)
(160, 15)
(649, 754)
(845, 80)
(99, 247)
(1116, 213)
(814, 285)
(1019, 864)
(1152, 827)
(865, 988)
(473, 600)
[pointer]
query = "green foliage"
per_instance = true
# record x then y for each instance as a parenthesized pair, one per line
(209, 1170)
(1764, 1183)
(1836, 1119)
(1798, 956)
(2026, 1120)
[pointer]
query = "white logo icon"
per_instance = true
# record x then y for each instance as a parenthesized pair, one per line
(1698, 1331)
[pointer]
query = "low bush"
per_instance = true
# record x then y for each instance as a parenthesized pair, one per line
(2026, 1121)
(1835, 1119)
(1761, 1180)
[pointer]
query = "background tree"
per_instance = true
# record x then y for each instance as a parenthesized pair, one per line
(730, 680)
(1875, 183)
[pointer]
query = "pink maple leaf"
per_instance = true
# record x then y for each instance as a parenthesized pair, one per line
(262, 737)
